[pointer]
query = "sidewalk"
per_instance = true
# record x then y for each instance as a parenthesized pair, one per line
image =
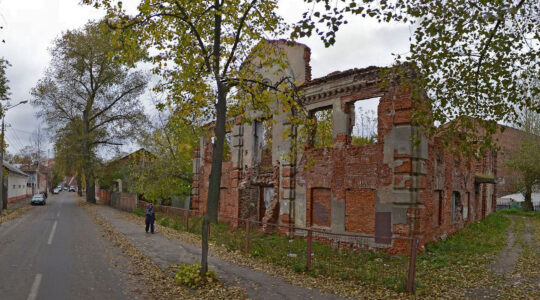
(165, 252)
(16, 205)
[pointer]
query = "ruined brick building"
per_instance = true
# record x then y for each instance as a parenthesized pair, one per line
(386, 188)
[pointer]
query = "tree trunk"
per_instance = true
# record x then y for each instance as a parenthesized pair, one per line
(215, 175)
(89, 174)
(204, 250)
(90, 189)
(79, 187)
(527, 204)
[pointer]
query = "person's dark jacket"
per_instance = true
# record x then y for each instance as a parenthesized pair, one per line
(150, 215)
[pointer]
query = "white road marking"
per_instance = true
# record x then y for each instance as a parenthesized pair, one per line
(52, 233)
(35, 287)
(58, 214)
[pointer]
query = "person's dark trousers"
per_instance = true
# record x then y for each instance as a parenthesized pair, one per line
(149, 226)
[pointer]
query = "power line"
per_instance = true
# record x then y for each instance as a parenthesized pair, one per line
(10, 144)
(23, 131)
(17, 140)
(14, 140)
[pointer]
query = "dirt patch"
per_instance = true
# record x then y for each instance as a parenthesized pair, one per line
(503, 266)
(508, 257)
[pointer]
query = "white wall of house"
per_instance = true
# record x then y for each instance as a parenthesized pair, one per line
(16, 185)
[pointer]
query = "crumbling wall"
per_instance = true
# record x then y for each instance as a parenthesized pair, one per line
(403, 185)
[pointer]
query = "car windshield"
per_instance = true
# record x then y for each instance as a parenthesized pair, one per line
(37, 197)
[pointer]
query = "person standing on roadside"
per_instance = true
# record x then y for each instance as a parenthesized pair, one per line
(150, 218)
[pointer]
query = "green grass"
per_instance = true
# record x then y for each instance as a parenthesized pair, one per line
(519, 212)
(164, 222)
(460, 262)
(327, 261)
(450, 261)
(485, 237)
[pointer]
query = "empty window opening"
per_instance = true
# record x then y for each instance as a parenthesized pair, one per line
(266, 197)
(456, 205)
(364, 121)
(323, 123)
(437, 208)
(466, 205)
(263, 141)
(227, 147)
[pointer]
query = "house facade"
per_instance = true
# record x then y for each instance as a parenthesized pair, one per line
(39, 178)
(16, 183)
(391, 187)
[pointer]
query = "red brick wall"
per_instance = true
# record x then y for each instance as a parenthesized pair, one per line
(360, 211)
(508, 141)
(457, 175)
(352, 175)
(17, 198)
(228, 206)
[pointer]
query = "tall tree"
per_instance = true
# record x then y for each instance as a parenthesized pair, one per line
(200, 49)
(474, 58)
(171, 143)
(4, 82)
(526, 162)
(86, 86)
(68, 150)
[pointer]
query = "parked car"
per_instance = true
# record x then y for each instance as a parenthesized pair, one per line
(38, 199)
(65, 188)
(72, 189)
(56, 190)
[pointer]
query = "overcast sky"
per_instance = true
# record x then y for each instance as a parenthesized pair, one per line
(31, 25)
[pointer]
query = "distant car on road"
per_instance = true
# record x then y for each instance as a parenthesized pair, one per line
(65, 188)
(72, 189)
(56, 190)
(38, 199)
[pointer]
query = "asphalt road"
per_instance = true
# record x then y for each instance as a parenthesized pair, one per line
(56, 251)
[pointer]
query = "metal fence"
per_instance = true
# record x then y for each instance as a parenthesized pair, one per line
(300, 237)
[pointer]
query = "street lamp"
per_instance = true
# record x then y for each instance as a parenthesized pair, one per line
(4, 201)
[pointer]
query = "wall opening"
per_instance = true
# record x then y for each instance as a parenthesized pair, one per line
(437, 208)
(466, 205)
(263, 143)
(364, 120)
(322, 132)
(266, 196)
(227, 147)
(321, 207)
(456, 204)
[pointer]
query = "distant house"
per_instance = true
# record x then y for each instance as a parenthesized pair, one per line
(116, 175)
(39, 177)
(16, 183)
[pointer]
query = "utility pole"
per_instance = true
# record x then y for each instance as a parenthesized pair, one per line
(2, 169)
(4, 200)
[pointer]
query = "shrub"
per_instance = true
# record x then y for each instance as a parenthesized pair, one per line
(190, 275)
(139, 212)
(164, 222)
